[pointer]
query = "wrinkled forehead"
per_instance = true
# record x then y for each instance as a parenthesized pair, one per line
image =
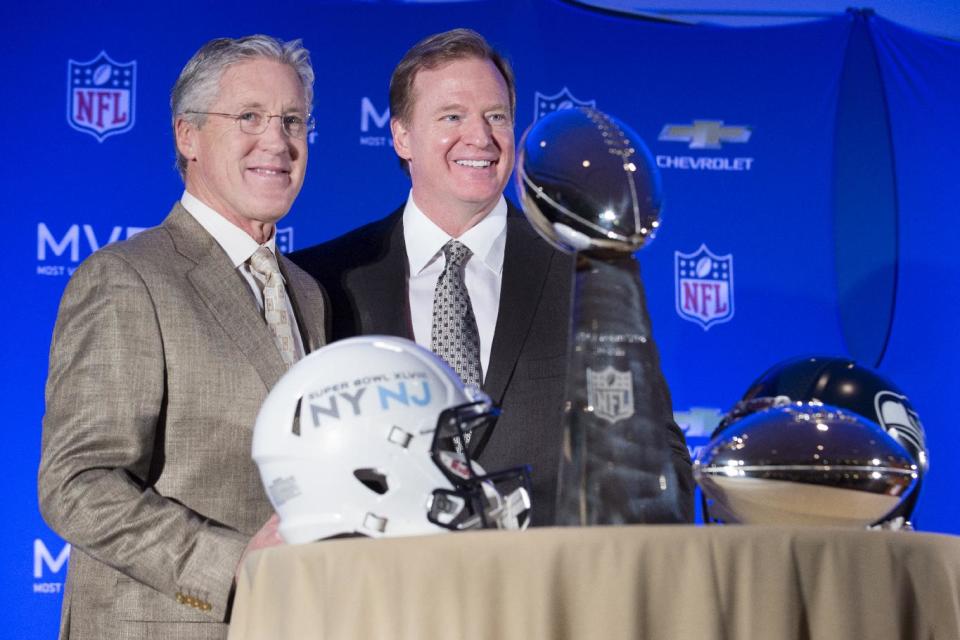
(429, 74)
(261, 83)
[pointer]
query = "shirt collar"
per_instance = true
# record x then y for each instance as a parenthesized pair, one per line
(424, 240)
(237, 244)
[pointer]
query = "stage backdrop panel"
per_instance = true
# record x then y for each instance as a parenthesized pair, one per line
(752, 263)
(923, 354)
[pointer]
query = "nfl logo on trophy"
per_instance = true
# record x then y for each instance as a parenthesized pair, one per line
(610, 393)
(100, 96)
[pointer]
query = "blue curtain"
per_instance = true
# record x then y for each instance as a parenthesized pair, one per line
(775, 242)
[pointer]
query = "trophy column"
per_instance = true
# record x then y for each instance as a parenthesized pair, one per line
(590, 186)
(616, 466)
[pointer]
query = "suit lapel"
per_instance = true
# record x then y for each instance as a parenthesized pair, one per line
(526, 261)
(380, 286)
(226, 294)
(310, 311)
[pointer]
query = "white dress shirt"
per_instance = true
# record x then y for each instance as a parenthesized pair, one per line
(239, 246)
(483, 272)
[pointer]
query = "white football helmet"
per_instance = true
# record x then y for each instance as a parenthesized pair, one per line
(364, 437)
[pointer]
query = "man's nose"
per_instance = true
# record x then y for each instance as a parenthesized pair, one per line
(274, 136)
(478, 132)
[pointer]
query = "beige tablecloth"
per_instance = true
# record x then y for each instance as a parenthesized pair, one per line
(657, 582)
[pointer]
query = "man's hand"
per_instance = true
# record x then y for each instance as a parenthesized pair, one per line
(268, 536)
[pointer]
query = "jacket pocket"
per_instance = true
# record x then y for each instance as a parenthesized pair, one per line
(140, 603)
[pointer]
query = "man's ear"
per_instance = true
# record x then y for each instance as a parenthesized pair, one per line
(186, 136)
(401, 138)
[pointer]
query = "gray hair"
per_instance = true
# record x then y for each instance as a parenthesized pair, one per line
(199, 82)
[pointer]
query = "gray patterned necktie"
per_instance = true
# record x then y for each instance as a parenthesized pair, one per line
(266, 271)
(454, 336)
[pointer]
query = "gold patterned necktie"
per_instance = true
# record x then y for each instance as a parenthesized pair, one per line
(266, 271)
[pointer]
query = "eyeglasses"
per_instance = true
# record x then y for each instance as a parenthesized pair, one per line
(256, 122)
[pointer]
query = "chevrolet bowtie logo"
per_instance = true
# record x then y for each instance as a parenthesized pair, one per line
(705, 134)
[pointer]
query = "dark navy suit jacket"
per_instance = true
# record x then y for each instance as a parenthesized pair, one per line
(365, 274)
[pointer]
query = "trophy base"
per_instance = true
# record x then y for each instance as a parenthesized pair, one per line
(616, 466)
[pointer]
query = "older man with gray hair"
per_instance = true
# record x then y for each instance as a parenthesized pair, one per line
(164, 348)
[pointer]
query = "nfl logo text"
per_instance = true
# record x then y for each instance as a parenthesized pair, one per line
(610, 393)
(704, 286)
(563, 99)
(101, 95)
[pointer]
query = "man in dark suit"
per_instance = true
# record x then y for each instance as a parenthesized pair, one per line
(164, 349)
(453, 100)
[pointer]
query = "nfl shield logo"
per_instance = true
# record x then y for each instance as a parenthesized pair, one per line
(610, 393)
(284, 239)
(704, 286)
(100, 96)
(562, 100)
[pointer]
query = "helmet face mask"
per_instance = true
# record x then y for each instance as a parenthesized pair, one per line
(499, 500)
(364, 437)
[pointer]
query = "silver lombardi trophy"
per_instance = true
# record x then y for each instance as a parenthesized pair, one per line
(589, 186)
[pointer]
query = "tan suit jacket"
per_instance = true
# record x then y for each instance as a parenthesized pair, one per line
(159, 363)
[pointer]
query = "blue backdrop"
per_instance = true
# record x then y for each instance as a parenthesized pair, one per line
(809, 173)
